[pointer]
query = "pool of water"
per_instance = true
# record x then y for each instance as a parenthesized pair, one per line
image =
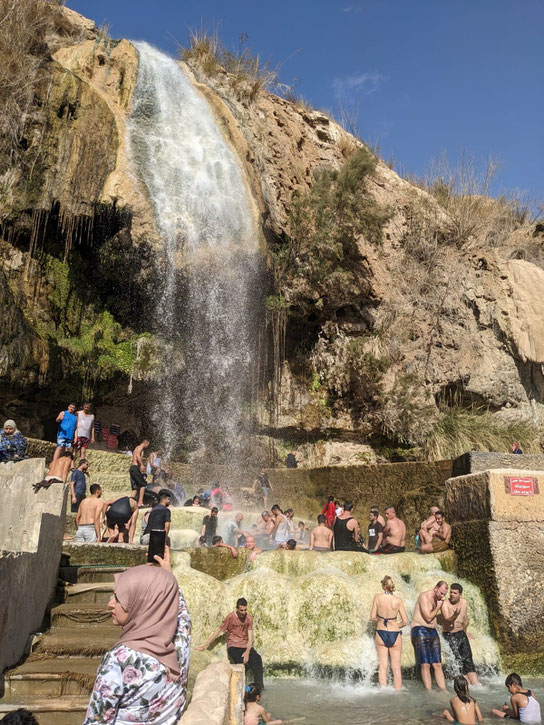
(329, 702)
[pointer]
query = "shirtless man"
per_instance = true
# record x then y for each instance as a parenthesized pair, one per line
(321, 537)
(88, 517)
(120, 515)
(454, 620)
(251, 546)
(137, 471)
(58, 469)
(430, 522)
(436, 539)
(394, 534)
(425, 639)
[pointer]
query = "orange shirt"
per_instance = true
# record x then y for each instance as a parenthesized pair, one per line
(237, 630)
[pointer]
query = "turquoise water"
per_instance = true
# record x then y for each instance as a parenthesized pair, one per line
(328, 702)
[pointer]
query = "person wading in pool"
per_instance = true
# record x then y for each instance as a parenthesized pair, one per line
(385, 610)
(454, 630)
(425, 638)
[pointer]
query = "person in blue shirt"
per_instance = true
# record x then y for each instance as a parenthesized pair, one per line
(67, 421)
(78, 485)
(13, 444)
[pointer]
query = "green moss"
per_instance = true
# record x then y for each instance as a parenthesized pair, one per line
(526, 664)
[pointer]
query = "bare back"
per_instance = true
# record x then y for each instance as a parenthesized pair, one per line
(395, 532)
(465, 712)
(88, 509)
(322, 537)
(60, 467)
(388, 607)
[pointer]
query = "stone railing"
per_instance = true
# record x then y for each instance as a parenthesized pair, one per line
(217, 697)
(31, 530)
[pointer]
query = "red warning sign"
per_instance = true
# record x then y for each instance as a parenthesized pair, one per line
(521, 486)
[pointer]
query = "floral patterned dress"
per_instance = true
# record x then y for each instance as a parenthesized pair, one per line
(132, 687)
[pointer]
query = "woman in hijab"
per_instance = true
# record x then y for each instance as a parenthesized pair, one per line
(143, 678)
(13, 444)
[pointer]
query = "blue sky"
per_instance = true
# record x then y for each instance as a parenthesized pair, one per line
(423, 76)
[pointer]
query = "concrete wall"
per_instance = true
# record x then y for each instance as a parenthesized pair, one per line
(217, 697)
(474, 461)
(31, 531)
(499, 541)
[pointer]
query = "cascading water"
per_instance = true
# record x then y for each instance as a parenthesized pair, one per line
(207, 285)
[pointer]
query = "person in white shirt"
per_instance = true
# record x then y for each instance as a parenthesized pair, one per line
(84, 429)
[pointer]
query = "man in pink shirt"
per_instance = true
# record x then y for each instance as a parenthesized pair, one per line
(239, 628)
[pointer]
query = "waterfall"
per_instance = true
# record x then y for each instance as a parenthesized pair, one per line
(207, 279)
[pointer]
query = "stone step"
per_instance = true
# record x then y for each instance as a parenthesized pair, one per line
(88, 592)
(53, 677)
(107, 462)
(117, 482)
(123, 555)
(69, 710)
(76, 614)
(89, 573)
(89, 641)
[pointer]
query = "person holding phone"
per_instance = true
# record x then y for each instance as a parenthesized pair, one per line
(159, 517)
(143, 678)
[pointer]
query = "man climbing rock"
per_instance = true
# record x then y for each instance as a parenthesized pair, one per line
(239, 628)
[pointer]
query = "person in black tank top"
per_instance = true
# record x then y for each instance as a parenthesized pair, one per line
(344, 538)
(119, 513)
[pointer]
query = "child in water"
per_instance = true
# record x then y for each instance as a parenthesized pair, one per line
(465, 709)
(255, 713)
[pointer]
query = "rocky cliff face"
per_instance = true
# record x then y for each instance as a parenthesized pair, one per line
(439, 313)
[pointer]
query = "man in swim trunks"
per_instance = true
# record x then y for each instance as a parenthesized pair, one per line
(394, 534)
(454, 630)
(425, 639)
(88, 517)
(121, 514)
(137, 471)
(321, 537)
(67, 425)
(437, 538)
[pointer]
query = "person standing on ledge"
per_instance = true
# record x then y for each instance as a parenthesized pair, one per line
(425, 639)
(137, 471)
(454, 630)
(66, 431)
(84, 429)
(239, 628)
(346, 530)
(88, 517)
(291, 460)
(394, 534)
(78, 485)
(263, 482)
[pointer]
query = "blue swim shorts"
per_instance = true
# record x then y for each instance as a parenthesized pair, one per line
(63, 442)
(426, 644)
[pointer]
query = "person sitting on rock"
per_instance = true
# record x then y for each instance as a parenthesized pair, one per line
(394, 534)
(251, 546)
(13, 444)
(516, 448)
(437, 539)
(58, 470)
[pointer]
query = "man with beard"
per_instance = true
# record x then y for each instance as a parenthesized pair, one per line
(239, 628)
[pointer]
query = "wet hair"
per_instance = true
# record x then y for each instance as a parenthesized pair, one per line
(217, 539)
(513, 679)
(390, 508)
(440, 584)
(19, 717)
(321, 519)
(252, 693)
(348, 506)
(196, 496)
(164, 493)
(460, 685)
(388, 583)
(94, 487)
(277, 508)
(457, 587)
(202, 540)
(242, 602)
(214, 508)
(288, 511)
(291, 544)
(331, 498)
(440, 513)
(82, 461)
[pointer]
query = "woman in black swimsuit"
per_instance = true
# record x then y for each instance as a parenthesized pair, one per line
(386, 608)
